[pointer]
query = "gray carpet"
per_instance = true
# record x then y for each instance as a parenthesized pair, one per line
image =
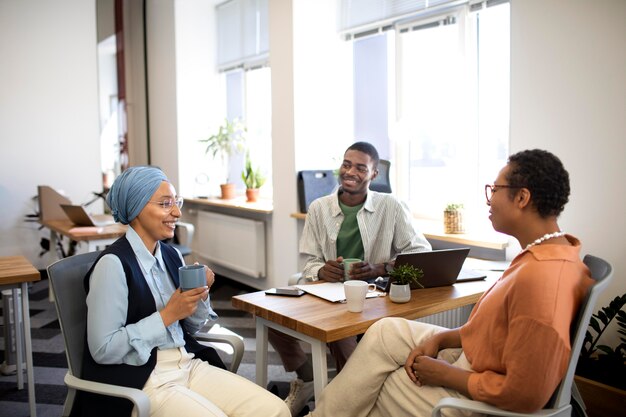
(51, 365)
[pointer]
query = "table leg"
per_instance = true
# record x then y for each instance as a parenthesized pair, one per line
(29, 351)
(52, 259)
(18, 339)
(320, 368)
(261, 352)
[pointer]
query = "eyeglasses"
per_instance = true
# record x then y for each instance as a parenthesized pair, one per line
(169, 203)
(492, 188)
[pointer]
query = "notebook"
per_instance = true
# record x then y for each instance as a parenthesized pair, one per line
(441, 267)
(332, 291)
(79, 216)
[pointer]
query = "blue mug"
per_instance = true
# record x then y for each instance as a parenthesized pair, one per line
(191, 276)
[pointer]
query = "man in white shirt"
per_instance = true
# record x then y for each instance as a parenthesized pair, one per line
(354, 222)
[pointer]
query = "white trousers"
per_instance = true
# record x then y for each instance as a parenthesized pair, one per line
(182, 386)
(374, 383)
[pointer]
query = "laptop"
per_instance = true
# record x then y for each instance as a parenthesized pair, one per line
(441, 268)
(79, 216)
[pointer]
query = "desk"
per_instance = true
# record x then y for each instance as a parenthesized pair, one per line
(100, 238)
(16, 272)
(317, 321)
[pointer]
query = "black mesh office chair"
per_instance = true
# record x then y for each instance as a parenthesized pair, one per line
(381, 183)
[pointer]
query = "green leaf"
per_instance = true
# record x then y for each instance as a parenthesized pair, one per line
(594, 324)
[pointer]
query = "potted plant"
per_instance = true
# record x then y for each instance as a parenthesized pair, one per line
(601, 369)
(253, 180)
(453, 218)
(230, 137)
(402, 277)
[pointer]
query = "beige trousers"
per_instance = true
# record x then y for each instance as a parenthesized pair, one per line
(182, 386)
(374, 383)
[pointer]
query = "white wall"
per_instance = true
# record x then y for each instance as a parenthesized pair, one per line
(49, 130)
(568, 95)
(163, 121)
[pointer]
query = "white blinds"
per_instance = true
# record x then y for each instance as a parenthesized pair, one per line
(358, 18)
(242, 34)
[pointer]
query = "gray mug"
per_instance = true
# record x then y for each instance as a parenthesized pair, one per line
(191, 276)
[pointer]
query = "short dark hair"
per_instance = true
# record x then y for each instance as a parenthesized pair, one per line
(366, 148)
(543, 174)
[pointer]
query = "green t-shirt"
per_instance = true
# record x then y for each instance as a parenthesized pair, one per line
(349, 242)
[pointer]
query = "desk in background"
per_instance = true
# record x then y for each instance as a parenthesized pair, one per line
(95, 237)
(16, 272)
(317, 321)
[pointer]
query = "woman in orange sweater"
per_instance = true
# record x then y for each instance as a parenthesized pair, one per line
(513, 351)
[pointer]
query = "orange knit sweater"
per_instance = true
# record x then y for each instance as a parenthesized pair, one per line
(518, 335)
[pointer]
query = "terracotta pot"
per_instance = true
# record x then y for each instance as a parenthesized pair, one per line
(252, 195)
(228, 191)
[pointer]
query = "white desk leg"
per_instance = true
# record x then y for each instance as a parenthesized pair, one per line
(29, 351)
(52, 259)
(261, 352)
(320, 368)
(18, 338)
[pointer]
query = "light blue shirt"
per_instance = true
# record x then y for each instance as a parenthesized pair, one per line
(109, 340)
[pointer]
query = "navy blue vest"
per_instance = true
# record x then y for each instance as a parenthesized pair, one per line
(140, 304)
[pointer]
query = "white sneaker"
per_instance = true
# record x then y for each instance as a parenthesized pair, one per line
(300, 393)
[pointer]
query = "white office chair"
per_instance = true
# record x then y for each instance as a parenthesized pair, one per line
(66, 280)
(560, 403)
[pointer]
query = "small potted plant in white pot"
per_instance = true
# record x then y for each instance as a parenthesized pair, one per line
(253, 180)
(402, 276)
(229, 138)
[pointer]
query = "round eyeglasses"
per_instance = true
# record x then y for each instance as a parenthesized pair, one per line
(492, 188)
(168, 204)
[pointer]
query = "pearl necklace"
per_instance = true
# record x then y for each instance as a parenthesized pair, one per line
(545, 237)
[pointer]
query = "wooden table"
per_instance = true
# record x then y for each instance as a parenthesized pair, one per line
(317, 321)
(94, 236)
(16, 272)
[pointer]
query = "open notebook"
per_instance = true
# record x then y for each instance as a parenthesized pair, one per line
(332, 291)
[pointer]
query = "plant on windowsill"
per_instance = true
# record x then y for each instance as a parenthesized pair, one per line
(229, 139)
(453, 219)
(402, 276)
(601, 368)
(253, 180)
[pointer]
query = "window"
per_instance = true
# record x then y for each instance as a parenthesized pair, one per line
(248, 98)
(448, 106)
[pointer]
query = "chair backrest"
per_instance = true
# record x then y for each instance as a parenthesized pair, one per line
(382, 183)
(66, 280)
(602, 273)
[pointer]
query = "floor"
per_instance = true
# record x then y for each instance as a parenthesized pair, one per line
(51, 365)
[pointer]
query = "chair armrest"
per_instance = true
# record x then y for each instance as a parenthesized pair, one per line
(481, 407)
(296, 278)
(138, 397)
(232, 340)
(184, 232)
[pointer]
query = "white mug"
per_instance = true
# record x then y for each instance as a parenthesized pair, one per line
(356, 291)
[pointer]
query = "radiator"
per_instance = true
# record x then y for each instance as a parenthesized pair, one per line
(232, 242)
(449, 319)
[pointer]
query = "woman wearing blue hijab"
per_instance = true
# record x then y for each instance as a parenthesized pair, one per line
(139, 322)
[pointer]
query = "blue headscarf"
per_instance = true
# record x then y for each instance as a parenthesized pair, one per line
(132, 190)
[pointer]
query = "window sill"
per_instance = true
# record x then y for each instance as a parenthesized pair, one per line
(433, 230)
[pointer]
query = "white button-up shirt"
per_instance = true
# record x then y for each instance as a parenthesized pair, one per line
(386, 226)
